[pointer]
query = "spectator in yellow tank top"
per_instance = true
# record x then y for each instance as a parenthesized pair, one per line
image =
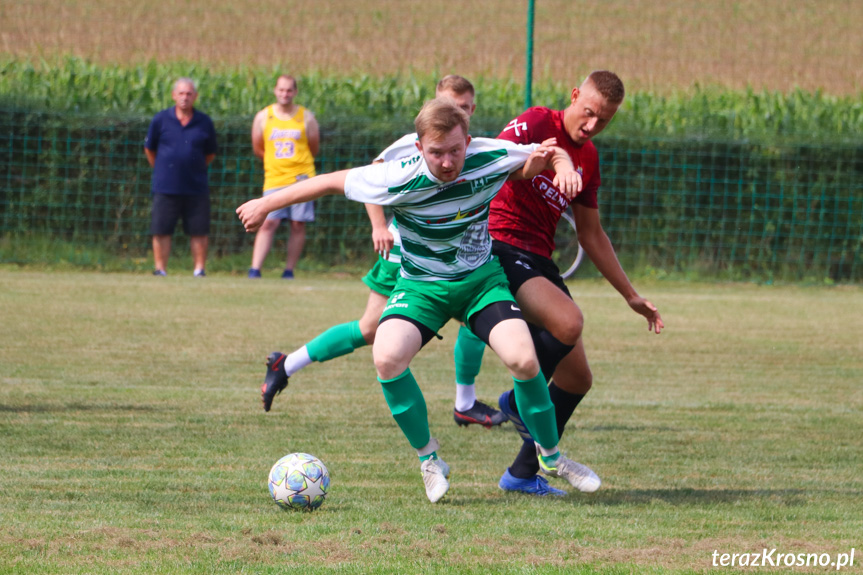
(286, 137)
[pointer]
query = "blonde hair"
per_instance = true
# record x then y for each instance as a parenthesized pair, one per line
(439, 117)
(455, 84)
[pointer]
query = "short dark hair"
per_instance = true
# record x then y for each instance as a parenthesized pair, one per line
(608, 84)
(288, 77)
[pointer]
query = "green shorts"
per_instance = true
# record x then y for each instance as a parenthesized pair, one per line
(382, 277)
(433, 303)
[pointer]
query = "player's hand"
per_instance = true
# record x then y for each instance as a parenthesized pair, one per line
(569, 183)
(383, 241)
(542, 158)
(544, 151)
(252, 214)
(648, 310)
(536, 162)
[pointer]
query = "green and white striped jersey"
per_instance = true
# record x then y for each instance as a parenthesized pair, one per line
(404, 146)
(443, 226)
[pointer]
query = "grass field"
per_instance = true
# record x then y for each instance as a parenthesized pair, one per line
(656, 46)
(133, 440)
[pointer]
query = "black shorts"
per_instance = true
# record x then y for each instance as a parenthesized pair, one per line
(168, 208)
(520, 266)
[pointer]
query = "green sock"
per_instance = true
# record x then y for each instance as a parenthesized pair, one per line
(337, 341)
(536, 410)
(551, 460)
(432, 455)
(408, 407)
(468, 356)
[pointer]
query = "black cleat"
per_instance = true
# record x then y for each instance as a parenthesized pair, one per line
(481, 414)
(276, 379)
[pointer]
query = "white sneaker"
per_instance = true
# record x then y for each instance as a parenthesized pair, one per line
(435, 475)
(579, 476)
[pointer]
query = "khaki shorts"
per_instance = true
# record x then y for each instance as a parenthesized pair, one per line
(433, 303)
(304, 212)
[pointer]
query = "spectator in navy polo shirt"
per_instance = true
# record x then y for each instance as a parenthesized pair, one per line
(180, 145)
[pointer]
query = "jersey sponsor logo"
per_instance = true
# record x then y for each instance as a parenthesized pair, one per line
(517, 127)
(482, 182)
(410, 161)
(550, 193)
(288, 134)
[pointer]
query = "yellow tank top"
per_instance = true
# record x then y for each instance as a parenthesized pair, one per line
(286, 150)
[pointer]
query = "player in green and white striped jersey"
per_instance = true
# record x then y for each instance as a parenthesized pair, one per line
(443, 225)
(440, 198)
(344, 338)
(469, 349)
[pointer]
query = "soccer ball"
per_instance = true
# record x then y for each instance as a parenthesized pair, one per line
(299, 481)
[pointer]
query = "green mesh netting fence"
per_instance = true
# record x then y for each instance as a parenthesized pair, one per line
(723, 209)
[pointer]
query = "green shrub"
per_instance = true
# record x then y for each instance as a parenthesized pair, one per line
(741, 186)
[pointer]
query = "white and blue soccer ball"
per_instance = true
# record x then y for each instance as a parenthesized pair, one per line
(299, 481)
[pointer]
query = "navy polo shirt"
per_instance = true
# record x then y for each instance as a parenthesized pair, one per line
(181, 152)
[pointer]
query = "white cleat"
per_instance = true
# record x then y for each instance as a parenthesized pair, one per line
(579, 476)
(435, 476)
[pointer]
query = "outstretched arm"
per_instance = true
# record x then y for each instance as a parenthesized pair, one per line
(254, 212)
(598, 248)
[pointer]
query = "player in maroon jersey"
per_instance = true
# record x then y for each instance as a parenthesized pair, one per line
(522, 224)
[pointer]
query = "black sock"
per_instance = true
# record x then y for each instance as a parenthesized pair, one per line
(549, 350)
(564, 404)
(526, 464)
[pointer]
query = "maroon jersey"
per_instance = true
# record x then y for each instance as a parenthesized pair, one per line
(525, 213)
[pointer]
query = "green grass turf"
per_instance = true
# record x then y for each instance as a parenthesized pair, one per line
(132, 438)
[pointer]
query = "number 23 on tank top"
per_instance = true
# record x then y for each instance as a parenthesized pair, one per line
(284, 149)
